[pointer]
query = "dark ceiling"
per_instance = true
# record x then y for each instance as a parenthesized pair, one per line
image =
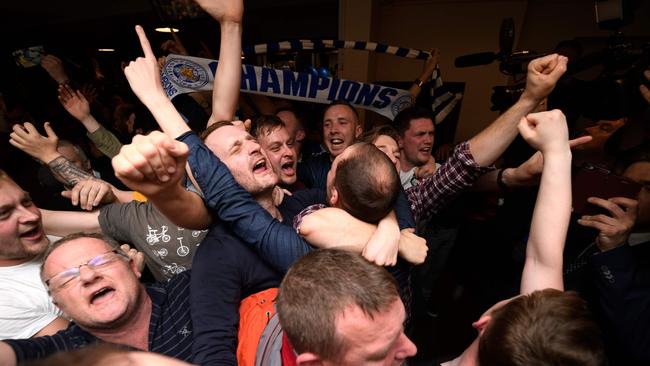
(75, 24)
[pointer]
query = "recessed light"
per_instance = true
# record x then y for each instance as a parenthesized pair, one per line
(106, 49)
(166, 30)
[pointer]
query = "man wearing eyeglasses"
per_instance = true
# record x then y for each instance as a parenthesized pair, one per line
(25, 309)
(97, 286)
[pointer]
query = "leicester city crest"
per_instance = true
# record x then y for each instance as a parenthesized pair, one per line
(186, 73)
(400, 103)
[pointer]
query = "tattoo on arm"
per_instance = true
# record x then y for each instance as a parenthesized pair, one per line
(68, 173)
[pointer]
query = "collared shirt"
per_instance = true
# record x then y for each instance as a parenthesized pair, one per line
(459, 172)
(170, 327)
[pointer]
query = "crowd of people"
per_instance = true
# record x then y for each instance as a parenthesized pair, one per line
(249, 243)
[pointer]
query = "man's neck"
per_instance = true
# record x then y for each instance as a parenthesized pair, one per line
(404, 164)
(135, 331)
(10, 262)
(265, 199)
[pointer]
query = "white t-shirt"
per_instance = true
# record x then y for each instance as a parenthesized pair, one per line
(25, 306)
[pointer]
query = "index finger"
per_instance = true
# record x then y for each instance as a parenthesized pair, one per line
(144, 42)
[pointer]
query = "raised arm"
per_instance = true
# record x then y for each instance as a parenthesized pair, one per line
(143, 76)
(154, 166)
(228, 76)
(76, 104)
(548, 133)
(62, 223)
(543, 74)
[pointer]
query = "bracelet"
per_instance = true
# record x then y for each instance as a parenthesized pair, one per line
(418, 82)
(502, 185)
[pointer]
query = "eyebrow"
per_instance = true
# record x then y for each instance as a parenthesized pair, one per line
(236, 145)
(379, 355)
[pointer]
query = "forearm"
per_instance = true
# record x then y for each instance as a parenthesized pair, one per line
(62, 223)
(512, 178)
(105, 141)
(168, 118)
(333, 228)
(65, 171)
(228, 75)
(489, 144)
(543, 268)
(184, 208)
(90, 123)
(458, 173)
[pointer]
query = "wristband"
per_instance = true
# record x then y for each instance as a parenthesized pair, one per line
(502, 185)
(418, 82)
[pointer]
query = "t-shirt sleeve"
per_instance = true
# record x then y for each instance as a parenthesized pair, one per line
(118, 220)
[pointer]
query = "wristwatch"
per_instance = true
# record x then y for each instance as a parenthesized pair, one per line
(418, 82)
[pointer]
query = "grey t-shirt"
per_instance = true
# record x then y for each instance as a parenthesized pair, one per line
(168, 249)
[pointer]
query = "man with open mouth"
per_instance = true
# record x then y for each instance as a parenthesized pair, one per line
(27, 310)
(341, 128)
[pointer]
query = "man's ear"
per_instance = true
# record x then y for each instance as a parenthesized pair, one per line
(300, 135)
(400, 142)
(482, 323)
(334, 197)
(308, 359)
(358, 131)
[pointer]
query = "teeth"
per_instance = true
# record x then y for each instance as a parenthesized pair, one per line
(336, 141)
(259, 164)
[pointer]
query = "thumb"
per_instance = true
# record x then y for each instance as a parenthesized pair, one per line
(178, 149)
(49, 131)
(525, 126)
(580, 140)
(66, 194)
(410, 230)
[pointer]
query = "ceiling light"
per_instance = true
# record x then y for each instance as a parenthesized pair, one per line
(166, 30)
(106, 49)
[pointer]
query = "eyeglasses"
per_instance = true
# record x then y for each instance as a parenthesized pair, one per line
(99, 262)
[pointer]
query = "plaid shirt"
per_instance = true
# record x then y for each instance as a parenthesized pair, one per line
(435, 192)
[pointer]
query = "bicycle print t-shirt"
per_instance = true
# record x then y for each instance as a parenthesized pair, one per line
(168, 249)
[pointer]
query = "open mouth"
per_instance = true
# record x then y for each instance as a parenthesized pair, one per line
(101, 295)
(260, 166)
(288, 168)
(32, 234)
(336, 142)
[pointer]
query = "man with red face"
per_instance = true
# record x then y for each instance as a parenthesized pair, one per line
(26, 310)
(97, 286)
(356, 319)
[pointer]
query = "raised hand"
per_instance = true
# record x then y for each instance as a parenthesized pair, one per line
(430, 65)
(614, 229)
(223, 10)
(89, 193)
(54, 67)
(545, 131)
(27, 139)
(74, 102)
(143, 74)
(89, 91)
(543, 74)
(151, 164)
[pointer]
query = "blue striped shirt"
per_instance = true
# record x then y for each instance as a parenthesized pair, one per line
(170, 327)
